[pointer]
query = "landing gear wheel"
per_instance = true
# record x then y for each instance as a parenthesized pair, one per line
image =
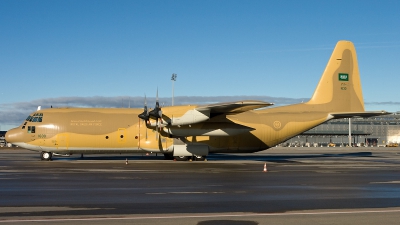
(199, 158)
(46, 156)
(181, 158)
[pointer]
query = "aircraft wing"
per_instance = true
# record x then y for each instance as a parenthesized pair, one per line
(232, 107)
(358, 114)
(205, 112)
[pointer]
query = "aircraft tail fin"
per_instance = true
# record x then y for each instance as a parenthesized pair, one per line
(339, 89)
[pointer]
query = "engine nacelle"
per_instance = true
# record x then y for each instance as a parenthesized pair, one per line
(190, 117)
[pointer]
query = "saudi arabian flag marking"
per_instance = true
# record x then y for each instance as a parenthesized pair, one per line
(343, 77)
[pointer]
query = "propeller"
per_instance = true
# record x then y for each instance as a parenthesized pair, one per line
(156, 113)
(145, 115)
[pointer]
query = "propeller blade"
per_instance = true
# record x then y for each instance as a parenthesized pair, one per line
(157, 129)
(145, 114)
(156, 112)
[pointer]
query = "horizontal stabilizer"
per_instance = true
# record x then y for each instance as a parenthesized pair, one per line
(340, 115)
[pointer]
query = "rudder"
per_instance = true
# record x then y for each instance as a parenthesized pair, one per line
(339, 89)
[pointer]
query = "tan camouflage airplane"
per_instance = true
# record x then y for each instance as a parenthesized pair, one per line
(183, 132)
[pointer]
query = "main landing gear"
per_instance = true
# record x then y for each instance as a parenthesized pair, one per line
(46, 156)
(185, 158)
(199, 157)
(194, 158)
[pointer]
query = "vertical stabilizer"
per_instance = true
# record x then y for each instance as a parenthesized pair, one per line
(339, 89)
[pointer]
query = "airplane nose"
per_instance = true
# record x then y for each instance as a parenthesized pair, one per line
(14, 135)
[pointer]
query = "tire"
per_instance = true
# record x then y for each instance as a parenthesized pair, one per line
(46, 156)
(181, 158)
(199, 158)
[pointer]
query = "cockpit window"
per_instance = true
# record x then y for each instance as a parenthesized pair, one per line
(37, 117)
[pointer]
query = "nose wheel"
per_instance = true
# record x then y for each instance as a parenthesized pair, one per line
(46, 156)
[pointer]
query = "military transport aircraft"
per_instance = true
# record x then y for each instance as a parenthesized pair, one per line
(182, 132)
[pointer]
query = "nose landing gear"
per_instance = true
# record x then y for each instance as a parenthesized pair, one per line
(46, 156)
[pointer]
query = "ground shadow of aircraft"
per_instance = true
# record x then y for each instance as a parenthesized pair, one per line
(289, 158)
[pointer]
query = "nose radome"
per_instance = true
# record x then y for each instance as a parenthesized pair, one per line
(14, 135)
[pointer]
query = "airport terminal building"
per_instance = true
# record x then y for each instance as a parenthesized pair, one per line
(374, 131)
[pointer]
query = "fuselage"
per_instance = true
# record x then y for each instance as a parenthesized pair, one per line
(116, 130)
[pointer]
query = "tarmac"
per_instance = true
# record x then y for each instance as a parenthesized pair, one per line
(300, 186)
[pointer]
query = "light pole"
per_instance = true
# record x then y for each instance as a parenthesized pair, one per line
(173, 78)
(350, 142)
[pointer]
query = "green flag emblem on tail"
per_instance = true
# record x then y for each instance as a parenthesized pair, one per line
(343, 77)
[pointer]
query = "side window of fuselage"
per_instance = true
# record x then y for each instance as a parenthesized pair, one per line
(31, 129)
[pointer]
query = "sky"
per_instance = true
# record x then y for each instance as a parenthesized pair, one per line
(111, 53)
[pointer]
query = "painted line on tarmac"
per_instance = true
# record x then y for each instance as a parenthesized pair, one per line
(198, 216)
(185, 192)
(387, 182)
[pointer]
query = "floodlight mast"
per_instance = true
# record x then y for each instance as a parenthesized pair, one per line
(173, 79)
